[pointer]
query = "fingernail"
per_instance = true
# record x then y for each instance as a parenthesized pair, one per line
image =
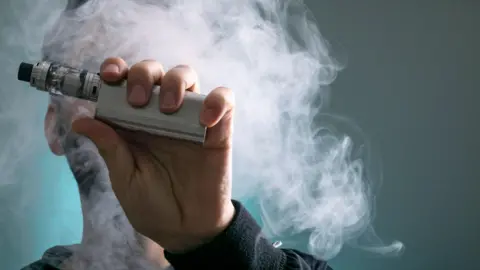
(111, 68)
(137, 95)
(168, 101)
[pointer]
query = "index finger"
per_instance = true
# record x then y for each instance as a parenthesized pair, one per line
(113, 69)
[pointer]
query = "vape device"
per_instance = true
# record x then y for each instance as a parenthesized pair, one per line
(111, 102)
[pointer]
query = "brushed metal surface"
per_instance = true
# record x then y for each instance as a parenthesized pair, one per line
(112, 106)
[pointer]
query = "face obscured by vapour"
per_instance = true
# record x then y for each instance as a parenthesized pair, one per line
(303, 174)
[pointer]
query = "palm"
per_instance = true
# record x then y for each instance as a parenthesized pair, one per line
(160, 183)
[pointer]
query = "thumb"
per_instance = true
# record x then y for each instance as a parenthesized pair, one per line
(111, 147)
(217, 116)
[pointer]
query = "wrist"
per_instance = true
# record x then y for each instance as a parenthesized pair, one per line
(188, 242)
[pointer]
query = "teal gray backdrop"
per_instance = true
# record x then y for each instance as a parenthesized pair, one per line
(412, 85)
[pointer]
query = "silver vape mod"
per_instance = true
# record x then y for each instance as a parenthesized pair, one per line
(111, 102)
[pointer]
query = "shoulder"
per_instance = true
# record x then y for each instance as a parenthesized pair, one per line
(52, 258)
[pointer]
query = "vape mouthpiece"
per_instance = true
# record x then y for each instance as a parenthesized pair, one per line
(25, 72)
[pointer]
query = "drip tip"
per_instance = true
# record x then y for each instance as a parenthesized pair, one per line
(25, 72)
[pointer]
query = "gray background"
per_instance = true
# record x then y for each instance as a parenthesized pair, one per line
(411, 84)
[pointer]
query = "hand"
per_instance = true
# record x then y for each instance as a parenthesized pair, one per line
(175, 192)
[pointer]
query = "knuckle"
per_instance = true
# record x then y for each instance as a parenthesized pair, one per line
(173, 73)
(223, 89)
(139, 70)
(182, 75)
(148, 61)
(153, 65)
(224, 92)
(113, 60)
(180, 71)
(140, 66)
(225, 96)
(147, 68)
(175, 78)
(183, 67)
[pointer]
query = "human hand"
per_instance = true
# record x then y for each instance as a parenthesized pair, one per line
(177, 193)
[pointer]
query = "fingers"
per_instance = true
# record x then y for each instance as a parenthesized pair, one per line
(144, 75)
(217, 113)
(217, 116)
(141, 79)
(174, 84)
(113, 69)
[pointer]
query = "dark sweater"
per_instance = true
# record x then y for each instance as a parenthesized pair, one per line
(242, 246)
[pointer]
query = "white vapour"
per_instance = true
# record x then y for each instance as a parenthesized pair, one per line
(272, 55)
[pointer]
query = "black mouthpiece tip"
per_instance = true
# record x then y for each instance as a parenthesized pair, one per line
(25, 72)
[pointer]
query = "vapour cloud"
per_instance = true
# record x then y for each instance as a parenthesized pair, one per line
(269, 52)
